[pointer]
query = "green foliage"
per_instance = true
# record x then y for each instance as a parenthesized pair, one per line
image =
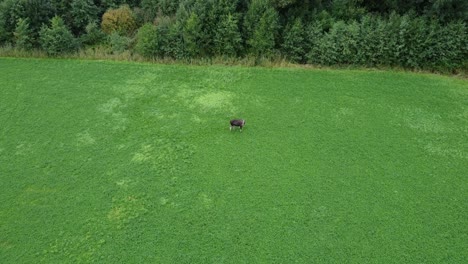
(445, 47)
(155, 8)
(206, 24)
(347, 9)
(262, 31)
(147, 41)
(346, 39)
(163, 40)
(293, 41)
(57, 39)
(442, 10)
(83, 12)
(227, 38)
(38, 12)
(119, 43)
(373, 42)
(252, 16)
(93, 35)
(423, 44)
(23, 35)
(413, 34)
(404, 41)
(449, 10)
(283, 3)
(8, 20)
(331, 47)
(170, 38)
(313, 37)
(112, 4)
(192, 34)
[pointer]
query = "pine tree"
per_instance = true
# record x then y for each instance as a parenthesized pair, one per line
(227, 38)
(22, 35)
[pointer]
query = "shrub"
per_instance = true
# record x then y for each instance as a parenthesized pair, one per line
(119, 43)
(57, 38)
(446, 46)
(375, 42)
(147, 41)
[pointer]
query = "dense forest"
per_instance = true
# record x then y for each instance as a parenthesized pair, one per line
(413, 34)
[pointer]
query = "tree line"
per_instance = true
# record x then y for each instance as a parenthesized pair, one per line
(415, 34)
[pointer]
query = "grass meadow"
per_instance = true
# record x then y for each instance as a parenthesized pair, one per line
(114, 162)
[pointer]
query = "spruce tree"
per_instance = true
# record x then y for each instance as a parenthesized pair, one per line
(227, 37)
(22, 35)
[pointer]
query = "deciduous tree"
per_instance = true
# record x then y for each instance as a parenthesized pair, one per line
(119, 20)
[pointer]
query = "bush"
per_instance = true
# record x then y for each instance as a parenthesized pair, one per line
(57, 38)
(375, 42)
(147, 41)
(446, 47)
(119, 43)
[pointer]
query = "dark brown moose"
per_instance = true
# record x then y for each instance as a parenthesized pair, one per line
(237, 123)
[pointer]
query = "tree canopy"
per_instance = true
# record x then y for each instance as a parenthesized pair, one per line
(408, 33)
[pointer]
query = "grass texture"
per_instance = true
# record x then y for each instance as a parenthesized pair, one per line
(111, 162)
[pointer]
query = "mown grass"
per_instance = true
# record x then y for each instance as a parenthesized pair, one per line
(112, 162)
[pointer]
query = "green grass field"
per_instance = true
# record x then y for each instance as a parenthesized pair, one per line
(110, 162)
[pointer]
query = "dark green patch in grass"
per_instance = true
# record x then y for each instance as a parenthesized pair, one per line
(131, 163)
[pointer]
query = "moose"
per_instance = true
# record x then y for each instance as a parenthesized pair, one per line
(237, 123)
